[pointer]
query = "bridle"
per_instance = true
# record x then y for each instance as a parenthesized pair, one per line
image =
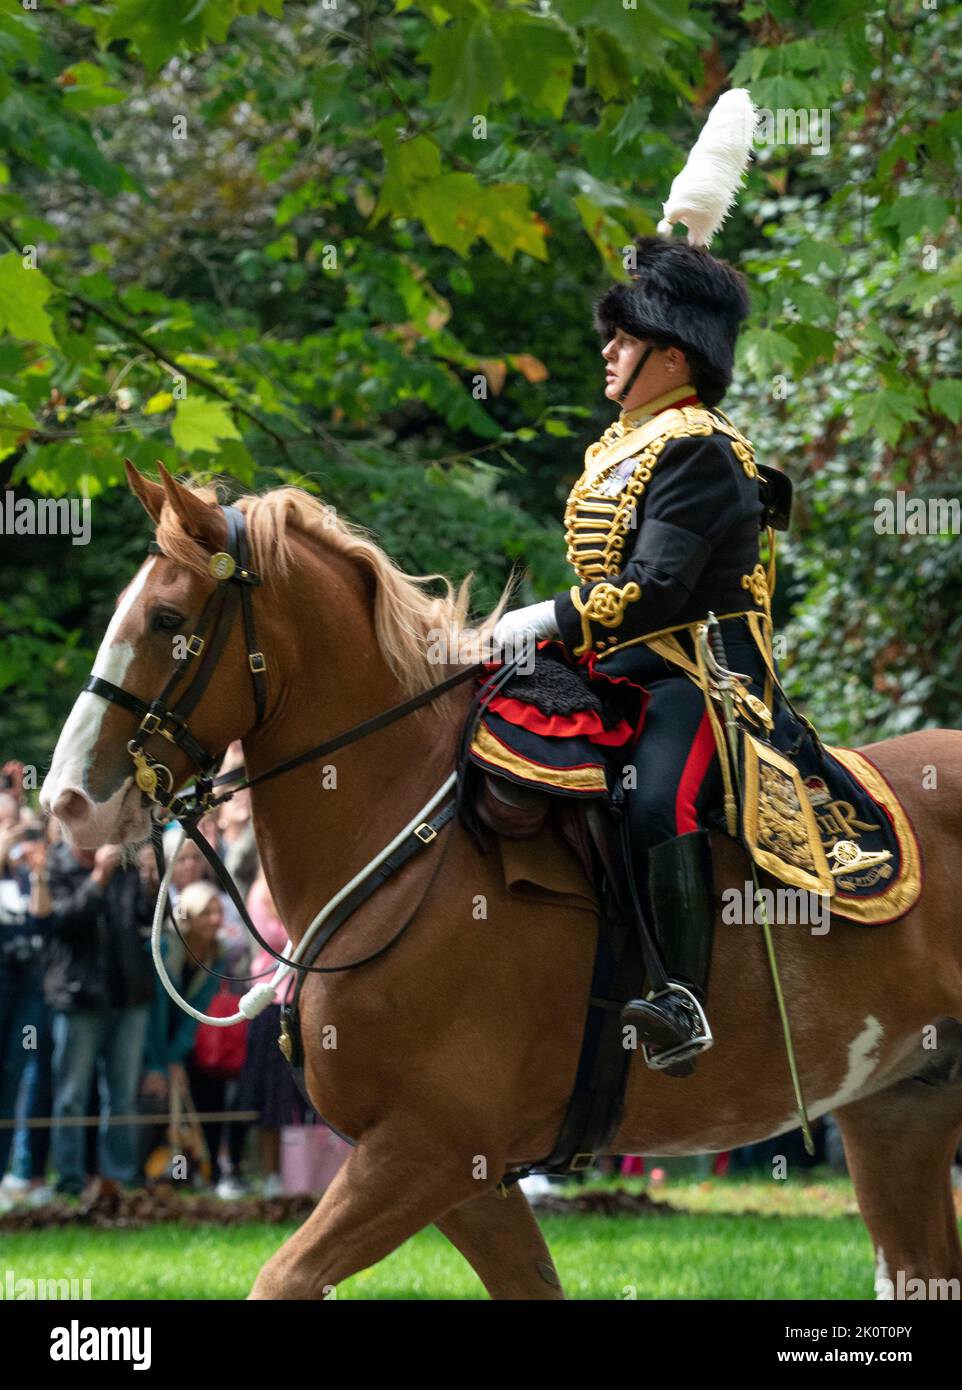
(235, 586)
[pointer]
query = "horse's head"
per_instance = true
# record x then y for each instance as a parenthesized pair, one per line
(171, 617)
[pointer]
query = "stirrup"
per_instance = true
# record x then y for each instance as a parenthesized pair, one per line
(684, 1051)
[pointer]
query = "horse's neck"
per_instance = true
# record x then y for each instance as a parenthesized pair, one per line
(318, 826)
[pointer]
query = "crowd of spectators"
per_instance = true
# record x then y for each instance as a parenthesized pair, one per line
(89, 1036)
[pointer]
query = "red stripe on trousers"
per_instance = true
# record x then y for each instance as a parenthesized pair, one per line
(696, 766)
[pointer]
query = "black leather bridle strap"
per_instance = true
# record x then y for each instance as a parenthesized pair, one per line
(217, 618)
(116, 695)
(255, 657)
(331, 745)
(359, 731)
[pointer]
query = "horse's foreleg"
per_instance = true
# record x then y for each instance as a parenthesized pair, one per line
(500, 1240)
(900, 1145)
(388, 1189)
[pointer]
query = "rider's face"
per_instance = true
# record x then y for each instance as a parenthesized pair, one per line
(621, 354)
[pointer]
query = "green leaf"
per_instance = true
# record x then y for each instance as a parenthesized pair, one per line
(608, 70)
(767, 352)
(407, 164)
(160, 28)
(86, 86)
(451, 209)
(538, 60)
(507, 224)
(466, 67)
(909, 216)
(23, 296)
(946, 397)
(635, 120)
(882, 412)
(15, 421)
(608, 234)
(200, 422)
(811, 303)
(233, 457)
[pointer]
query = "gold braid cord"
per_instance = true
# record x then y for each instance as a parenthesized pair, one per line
(618, 468)
(606, 604)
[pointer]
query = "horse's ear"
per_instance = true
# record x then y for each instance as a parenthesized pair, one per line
(201, 520)
(149, 495)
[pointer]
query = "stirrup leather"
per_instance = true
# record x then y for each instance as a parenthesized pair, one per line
(681, 1052)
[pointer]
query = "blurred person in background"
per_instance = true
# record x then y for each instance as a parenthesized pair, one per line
(24, 919)
(267, 1082)
(11, 794)
(171, 1033)
(192, 867)
(236, 843)
(98, 984)
(30, 1155)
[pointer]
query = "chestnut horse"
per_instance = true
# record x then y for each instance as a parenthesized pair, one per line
(456, 1050)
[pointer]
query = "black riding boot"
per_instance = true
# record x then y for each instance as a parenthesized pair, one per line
(672, 1024)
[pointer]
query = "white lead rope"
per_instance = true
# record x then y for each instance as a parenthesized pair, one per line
(256, 1000)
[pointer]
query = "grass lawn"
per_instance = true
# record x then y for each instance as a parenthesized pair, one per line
(735, 1238)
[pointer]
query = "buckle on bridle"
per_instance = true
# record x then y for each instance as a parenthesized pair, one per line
(256, 662)
(195, 645)
(150, 723)
(425, 833)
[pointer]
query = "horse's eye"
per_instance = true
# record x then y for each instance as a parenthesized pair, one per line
(164, 620)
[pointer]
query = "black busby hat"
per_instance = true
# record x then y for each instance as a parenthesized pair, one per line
(679, 293)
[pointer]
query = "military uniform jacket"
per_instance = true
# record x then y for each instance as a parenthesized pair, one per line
(662, 526)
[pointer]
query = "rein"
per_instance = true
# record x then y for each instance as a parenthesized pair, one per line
(236, 582)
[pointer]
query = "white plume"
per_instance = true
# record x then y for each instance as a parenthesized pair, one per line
(704, 192)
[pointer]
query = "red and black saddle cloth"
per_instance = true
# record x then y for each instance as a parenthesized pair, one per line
(568, 728)
(564, 727)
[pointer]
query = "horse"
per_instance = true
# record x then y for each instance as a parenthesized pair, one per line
(449, 1059)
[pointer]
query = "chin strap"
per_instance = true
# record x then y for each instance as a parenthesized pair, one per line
(636, 373)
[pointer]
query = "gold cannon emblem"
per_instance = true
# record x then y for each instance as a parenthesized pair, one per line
(221, 565)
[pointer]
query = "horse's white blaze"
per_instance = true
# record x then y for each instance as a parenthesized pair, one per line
(71, 757)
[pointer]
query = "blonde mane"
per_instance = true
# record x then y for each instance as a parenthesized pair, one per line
(407, 617)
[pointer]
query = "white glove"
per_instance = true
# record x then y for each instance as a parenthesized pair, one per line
(534, 622)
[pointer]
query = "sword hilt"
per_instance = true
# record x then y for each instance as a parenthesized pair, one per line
(715, 659)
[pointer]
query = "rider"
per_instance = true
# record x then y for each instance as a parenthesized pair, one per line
(663, 527)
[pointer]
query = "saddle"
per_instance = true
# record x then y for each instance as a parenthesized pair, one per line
(521, 813)
(544, 752)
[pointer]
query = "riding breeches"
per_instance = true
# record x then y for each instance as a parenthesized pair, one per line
(677, 775)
